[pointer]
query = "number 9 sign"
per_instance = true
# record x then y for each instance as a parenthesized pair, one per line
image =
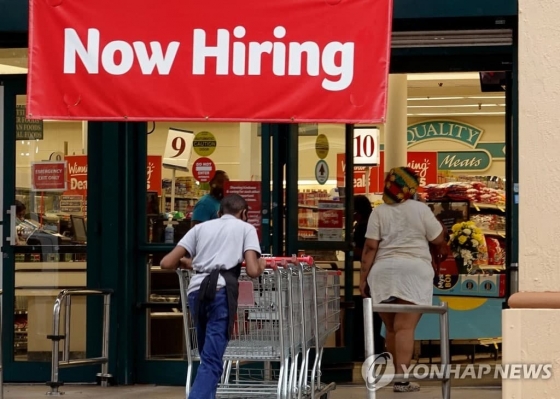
(178, 144)
(178, 148)
(366, 146)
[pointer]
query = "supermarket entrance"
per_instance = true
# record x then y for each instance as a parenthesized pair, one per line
(461, 138)
(451, 89)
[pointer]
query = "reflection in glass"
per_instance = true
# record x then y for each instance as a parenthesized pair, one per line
(165, 319)
(50, 254)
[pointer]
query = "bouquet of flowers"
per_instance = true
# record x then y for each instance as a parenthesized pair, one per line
(468, 245)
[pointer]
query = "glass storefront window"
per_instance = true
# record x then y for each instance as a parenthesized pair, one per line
(320, 204)
(51, 226)
(164, 323)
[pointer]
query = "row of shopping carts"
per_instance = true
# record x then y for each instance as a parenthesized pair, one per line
(283, 320)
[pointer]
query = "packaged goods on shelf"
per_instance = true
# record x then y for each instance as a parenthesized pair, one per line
(475, 191)
(308, 218)
(496, 252)
(490, 222)
(312, 197)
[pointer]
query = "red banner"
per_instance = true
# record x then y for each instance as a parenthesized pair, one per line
(276, 60)
(424, 163)
(251, 192)
(77, 175)
(78, 169)
(48, 176)
(154, 173)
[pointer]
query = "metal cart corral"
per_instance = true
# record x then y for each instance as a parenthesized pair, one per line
(281, 316)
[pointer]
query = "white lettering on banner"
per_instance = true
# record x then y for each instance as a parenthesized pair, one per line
(89, 55)
(77, 170)
(76, 184)
(118, 56)
(280, 57)
(421, 168)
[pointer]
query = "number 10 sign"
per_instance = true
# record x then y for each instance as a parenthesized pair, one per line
(366, 146)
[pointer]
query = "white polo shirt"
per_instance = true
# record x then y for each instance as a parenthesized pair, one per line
(219, 243)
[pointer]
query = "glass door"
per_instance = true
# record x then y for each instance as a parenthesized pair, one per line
(44, 219)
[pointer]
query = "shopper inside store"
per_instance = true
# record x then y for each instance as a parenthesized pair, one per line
(208, 206)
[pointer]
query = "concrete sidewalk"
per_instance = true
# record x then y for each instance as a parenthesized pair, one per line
(160, 392)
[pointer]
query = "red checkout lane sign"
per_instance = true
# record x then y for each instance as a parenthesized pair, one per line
(251, 192)
(48, 176)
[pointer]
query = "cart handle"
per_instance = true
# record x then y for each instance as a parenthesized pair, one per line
(304, 259)
(273, 261)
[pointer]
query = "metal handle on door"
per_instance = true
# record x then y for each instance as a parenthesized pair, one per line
(12, 239)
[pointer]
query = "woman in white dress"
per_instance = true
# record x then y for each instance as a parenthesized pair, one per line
(397, 263)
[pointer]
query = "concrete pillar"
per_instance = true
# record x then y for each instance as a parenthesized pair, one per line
(84, 137)
(531, 335)
(249, 152)
(394, 139)
(255, 153)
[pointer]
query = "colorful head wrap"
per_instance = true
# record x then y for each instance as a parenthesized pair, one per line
(400, 185)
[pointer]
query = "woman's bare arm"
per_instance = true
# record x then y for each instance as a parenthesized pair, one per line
(368, 258)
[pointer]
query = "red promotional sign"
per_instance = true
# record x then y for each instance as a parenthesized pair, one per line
(48, 176)
(251, 192)
(424, 163)
(77, 175)
(154, 173)
(203, 169)
(285, 60)
(78, 170)
(426, 166)
(331, 215)
(360, 175)
(331, 220)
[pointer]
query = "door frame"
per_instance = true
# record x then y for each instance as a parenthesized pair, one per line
(19, 371)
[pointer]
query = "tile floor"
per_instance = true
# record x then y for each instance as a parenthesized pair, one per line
(160, 392)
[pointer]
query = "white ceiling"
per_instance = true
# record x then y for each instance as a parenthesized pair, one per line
(438, 94)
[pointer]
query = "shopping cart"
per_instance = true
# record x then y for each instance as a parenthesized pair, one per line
(277, 323)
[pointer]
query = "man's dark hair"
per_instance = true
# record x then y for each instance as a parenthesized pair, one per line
(232, 204)
(20, 207)
(362, 206)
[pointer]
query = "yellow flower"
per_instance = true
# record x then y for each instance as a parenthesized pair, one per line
(462, 240)
(456, 228)
(478, 237)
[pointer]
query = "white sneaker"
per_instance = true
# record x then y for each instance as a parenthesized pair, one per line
(408, 387)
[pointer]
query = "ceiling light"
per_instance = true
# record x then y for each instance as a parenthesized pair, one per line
(11, 70)
(459, 114)
(428, 98)
(456, 106)
(434, 98)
